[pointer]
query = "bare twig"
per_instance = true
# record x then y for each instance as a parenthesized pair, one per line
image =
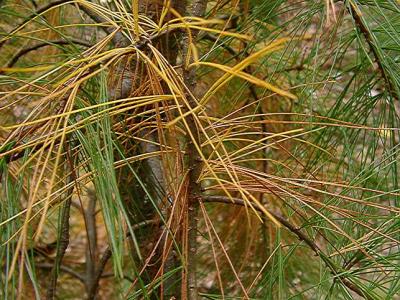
(97, 275)
(65, 269)
(25, 51)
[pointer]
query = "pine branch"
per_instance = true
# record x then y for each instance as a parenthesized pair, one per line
(302, 237)
(373, 45)
(16, 155)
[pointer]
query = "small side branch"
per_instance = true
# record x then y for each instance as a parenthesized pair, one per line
(25, 51)
(64, 269)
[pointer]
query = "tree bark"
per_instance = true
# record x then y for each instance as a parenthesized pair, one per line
(195, 8)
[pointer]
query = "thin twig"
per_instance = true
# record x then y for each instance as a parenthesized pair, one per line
(97, 276)
(25, 51)
(63, 268)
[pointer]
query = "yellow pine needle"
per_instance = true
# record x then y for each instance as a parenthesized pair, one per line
(173, 86)
(25, 70)
(266, 25)
(113, 54)
(138, 101)
(69, 106)
(327, 219)
(250, 78)
(284, 138)
(56, 135)
(331, 194)
(260, 141)
(135, 8)
(99, 45)
(189, 33)
(165, 9)
(55, 193)
(192, 20)
(184, 115)
(93, 57)
(194, 52)
(66, 26)
(21, 244)
(220, 32)
(264, 210)
(54, 196)
(71, 128)
(274, 46)
(12, 34)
